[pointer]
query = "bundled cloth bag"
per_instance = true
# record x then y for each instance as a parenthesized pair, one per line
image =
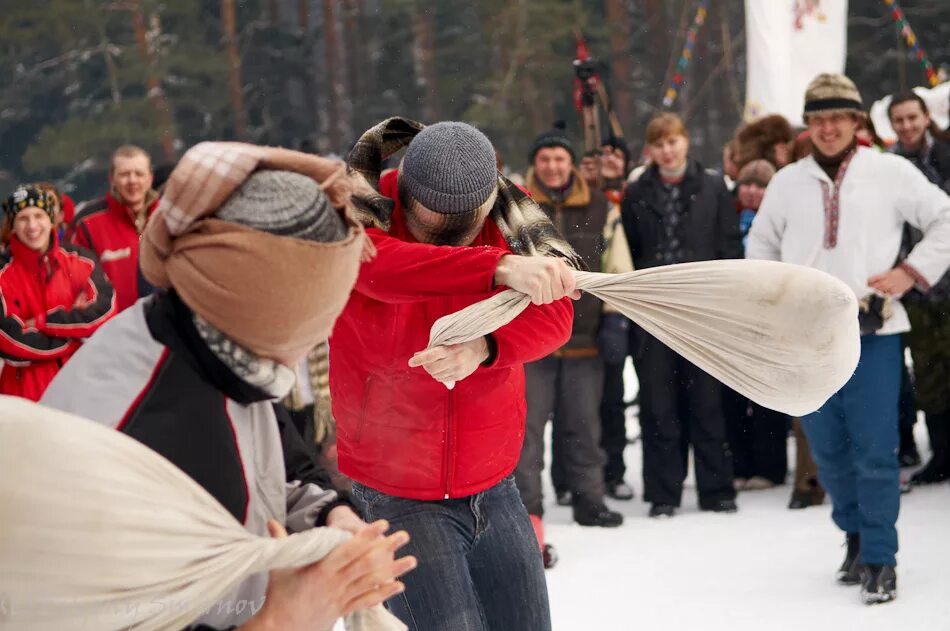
(100, 532)
(783, 335)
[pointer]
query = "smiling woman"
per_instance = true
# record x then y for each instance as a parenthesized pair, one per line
(51, 296)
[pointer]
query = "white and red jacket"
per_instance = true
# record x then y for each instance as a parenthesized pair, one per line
(878, 194)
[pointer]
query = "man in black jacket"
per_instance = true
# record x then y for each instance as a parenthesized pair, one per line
(677, 212)
(920, 141)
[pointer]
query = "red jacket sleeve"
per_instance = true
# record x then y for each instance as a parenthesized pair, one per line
(537, 332)
(95, 303)
(410, 272)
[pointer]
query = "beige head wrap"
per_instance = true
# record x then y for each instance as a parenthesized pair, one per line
(271, 294)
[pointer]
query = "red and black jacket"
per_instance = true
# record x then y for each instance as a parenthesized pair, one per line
(107, 227)
(49, 302)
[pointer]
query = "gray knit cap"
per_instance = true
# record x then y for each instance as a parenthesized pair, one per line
(449, 168)
(284, 203)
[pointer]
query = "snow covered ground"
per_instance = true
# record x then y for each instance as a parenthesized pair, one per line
(764, 568)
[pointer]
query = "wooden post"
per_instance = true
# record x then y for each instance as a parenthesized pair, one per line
(228, 21)
(155, 93)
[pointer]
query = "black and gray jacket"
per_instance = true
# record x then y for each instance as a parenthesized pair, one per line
(148, 373)
(708, 229)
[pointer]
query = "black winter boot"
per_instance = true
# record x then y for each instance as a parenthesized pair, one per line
(662, 510)
(719, 506)
(879, 584)
(599, 515)
(850, 571)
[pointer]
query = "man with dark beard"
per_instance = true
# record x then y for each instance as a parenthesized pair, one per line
(431, 437)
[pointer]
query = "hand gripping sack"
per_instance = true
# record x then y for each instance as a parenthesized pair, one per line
(100, 532)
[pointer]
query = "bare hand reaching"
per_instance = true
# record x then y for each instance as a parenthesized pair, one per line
(358, 574)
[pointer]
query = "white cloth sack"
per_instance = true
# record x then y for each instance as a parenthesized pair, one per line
(784, 335)
(97, 531)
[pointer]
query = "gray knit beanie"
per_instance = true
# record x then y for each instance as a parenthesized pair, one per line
(449, 168)
(284, 203)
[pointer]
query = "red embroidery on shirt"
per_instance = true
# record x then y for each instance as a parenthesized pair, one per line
(833, 203)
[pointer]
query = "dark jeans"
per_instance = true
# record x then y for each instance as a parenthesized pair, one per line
(570, 391)
(479, 567)
(678, 397)
(853, 437)
(613, 421)
(758, 438)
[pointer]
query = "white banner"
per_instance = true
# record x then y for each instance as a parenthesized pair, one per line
(788, 43)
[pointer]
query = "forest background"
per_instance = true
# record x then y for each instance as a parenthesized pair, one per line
(81, 77)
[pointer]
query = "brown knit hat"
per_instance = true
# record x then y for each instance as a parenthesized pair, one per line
(756, 172)
(832, 93)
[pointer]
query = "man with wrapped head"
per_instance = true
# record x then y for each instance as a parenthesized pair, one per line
(255, 265)
(431, 437)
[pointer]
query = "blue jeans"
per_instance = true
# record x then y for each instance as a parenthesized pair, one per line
(479, 566)
(854, 440)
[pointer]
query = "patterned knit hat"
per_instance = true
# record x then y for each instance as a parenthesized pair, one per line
(449, 168)
(27, 195)
(832, 93)
(284, 203)
(554, 137)
(756, 172)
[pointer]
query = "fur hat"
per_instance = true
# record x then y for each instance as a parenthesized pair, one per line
(830, 92)
(757, 140)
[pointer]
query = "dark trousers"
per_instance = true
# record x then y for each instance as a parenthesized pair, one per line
(674, 393)
(613, 423)
(854, 439)
(907, 411)
(568, 391)
(479, 567)
(757, 438)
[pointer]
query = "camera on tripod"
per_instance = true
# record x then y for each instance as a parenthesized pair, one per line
(587, 69)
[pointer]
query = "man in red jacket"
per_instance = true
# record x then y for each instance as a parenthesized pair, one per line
(113, 225)
(435, 460)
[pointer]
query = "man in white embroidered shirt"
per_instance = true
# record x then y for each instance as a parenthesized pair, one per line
(841, 210)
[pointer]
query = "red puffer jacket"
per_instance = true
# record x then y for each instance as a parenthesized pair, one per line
(48, 304)
(107, 228)
(400, 431)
